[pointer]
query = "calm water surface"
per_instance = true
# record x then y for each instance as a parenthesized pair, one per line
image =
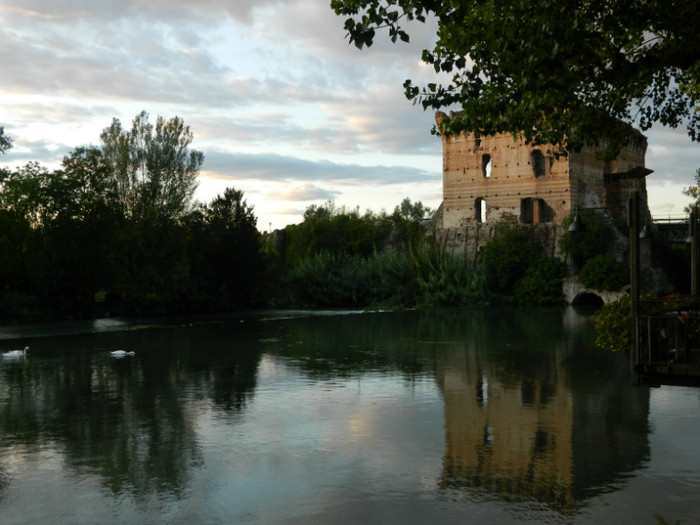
(460, 416)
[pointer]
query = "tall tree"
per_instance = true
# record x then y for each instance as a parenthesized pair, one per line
(153, 169)
(412, 210)
(226, 259)
(556, 71)
(23, 191)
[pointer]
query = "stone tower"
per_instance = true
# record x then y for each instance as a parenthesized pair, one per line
(495, 179)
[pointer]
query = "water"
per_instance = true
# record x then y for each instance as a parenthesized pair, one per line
(460, 416)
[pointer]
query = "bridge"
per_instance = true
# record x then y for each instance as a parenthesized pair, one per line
(670, 229)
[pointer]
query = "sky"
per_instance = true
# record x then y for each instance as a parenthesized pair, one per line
(282, 107)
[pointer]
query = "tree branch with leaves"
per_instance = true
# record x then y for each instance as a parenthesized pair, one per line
(5, 141)
(561, 72)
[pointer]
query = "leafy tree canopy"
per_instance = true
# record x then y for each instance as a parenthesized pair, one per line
(412, 210)
(558, 72)
(153, 168)
(230, 210)
(693, 192)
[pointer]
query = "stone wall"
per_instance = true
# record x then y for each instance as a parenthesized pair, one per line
(492, 179)
(499, 179)
(469, 239)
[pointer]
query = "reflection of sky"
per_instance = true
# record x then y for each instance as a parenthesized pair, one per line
(364, 447)
(675, 426)
(669, 484)
(323, 444)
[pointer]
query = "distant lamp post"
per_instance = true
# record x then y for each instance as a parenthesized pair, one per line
(577, 225)
(646, 232)
(694, 240)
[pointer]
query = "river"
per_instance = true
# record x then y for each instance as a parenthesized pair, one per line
(476, 416)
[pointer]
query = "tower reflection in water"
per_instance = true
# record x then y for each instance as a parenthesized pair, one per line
(532, 414)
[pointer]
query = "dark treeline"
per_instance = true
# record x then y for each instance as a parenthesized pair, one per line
(115, 231)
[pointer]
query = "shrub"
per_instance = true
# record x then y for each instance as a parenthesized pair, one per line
(507, 257)
(602, 272)
(341, 280)
(600, 232)
(447, 280)
(542, 283)
(613, 323)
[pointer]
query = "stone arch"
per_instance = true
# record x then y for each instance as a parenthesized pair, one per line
(587, 298)
(486, 165)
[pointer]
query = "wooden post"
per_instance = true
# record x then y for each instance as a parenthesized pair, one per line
(633, 219)
(693, 225)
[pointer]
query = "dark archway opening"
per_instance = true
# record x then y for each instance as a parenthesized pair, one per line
(588, 299)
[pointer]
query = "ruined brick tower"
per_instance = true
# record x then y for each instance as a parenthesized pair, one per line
(495, 179)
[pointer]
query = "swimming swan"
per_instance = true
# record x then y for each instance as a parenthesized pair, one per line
(121, 353)
(16, 354)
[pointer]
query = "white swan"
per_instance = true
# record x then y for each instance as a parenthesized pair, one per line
(15, 354)
(121, 353)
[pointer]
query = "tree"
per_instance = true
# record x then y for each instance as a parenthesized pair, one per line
(226, 258)
(23, 191)
(231, 211)
(153, 169)
(693, 192)
(412, 210)
(5, 141)
(559, 72)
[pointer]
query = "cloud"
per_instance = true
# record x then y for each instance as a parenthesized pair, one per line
(108, 10)
(317, 28)
(131, 59)
(306, 192)
(271, 167)
(672, 155)
(276, 97)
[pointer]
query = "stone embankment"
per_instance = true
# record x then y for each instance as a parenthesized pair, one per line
(577, 293)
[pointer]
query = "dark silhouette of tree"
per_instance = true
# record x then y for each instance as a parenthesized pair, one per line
(555, 72)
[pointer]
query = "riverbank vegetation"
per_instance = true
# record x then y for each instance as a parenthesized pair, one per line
(115, 231)
(337, 257)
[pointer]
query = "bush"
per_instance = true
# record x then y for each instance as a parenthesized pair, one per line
(426, 277)
(613, 323)
(507, 257)
(341, 280)
(447, 280)
(600, 232)
(542, 283)
(602, 272)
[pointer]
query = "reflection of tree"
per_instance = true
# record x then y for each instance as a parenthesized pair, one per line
(531, 411)
(518, 422)
(514, 405)
(340, 346)
(132, 421)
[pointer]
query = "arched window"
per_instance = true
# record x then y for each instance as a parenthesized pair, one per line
(480, 210)
(486, 165)
(538, 163)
